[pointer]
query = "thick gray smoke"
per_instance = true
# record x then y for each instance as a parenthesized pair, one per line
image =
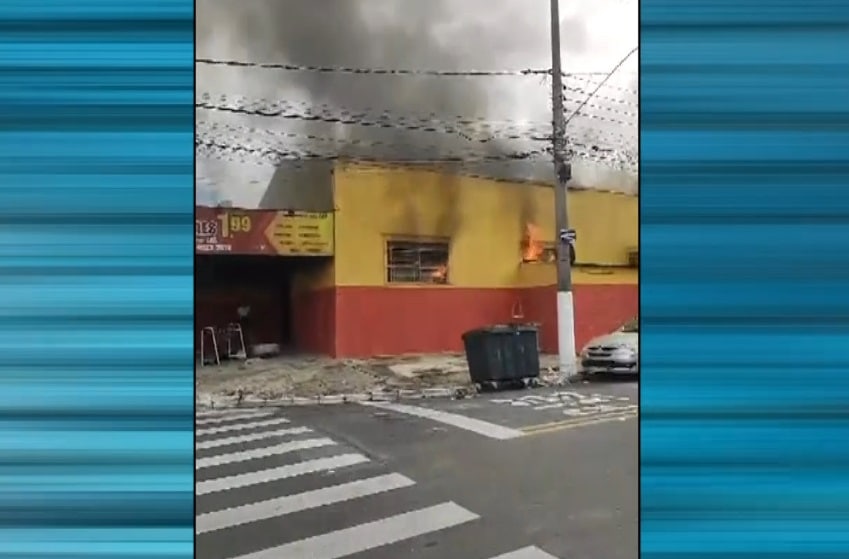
(388, 34)
(370, 34)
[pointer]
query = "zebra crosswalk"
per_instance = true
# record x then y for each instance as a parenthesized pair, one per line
(267, 488)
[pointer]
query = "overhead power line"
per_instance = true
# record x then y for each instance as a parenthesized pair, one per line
(383, 71)
(494, 170)
(207, 99)
(617, 107)
(280, 155)
(491, 169)
(597, 107)
(217, 148)
(598, 145)
(594, 81)
(628, 97)
(466, 168)
(601, 84)
(288, 113)
(476, 129)
(246, 134)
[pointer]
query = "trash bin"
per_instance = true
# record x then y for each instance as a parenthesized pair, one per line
(503, 353)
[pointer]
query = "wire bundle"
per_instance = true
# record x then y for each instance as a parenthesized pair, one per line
(267, 145)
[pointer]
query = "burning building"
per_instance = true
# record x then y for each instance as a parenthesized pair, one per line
(404, 260)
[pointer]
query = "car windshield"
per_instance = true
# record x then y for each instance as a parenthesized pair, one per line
(632, 326)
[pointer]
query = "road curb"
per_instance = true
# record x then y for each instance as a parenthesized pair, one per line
(210, 401)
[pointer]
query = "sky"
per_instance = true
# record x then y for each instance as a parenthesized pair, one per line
(413, 34)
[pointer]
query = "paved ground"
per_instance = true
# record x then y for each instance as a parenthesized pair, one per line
(306, 376)
(475, 479)
(548, 407)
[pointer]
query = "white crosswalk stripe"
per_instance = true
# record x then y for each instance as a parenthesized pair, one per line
(318, 462)
(253, 454)
(302, 501)
(241, 427)
(212, 420)
(276, 474)
(370, 535)
(526, 553)
(480, 427)
(202, 445)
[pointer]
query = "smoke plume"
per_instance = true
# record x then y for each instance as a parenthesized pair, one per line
(371, 34)
(387, 34)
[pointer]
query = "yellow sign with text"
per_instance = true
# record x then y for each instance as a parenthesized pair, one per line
(301, 233)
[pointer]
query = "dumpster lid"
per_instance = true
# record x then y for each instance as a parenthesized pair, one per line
(505, 329)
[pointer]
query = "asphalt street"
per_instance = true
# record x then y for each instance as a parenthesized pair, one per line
(542, 474)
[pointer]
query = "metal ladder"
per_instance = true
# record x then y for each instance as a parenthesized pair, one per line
(208, 331)
(234, 329)
(235, 343)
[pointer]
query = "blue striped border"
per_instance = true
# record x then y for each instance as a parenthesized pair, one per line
(745, 279)
(96, 279)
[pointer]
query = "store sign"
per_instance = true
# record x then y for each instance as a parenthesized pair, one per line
(285, 233)
(301, 233)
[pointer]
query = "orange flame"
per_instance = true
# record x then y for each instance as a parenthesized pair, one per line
(440, 275)
(532, 246)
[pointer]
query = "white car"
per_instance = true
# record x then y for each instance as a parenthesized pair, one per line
(614, 353)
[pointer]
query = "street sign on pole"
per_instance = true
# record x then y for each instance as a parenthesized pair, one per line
(568, 236)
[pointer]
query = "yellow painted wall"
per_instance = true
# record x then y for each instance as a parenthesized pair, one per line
(536, 274)
(484, 219)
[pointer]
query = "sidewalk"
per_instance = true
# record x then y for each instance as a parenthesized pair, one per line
(300, 376)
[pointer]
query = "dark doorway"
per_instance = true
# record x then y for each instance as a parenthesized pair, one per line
(264, 284)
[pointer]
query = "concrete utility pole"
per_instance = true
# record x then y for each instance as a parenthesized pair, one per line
(563, 173)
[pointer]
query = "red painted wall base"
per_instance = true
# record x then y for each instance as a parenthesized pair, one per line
(369, 321)
(314, 321)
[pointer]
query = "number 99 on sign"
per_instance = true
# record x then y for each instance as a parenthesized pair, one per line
(234, 224)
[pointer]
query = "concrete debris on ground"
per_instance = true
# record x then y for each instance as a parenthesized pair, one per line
(301, 376)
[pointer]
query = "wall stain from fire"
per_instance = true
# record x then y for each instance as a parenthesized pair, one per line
(448, 212)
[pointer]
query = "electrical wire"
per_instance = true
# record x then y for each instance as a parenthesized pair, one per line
(383, 71)
(601, 84)
(601, 142)
(290, 153)
(276, 156)
(626, 114)
(465, 168)
(244, 101)
(628, 98)
(209, 141)
(499, 170)
(594, 80)
(475, 129)
(310, 146)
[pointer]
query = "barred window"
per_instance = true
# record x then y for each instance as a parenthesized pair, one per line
(536, 250)
(409, 261)
(542, 253)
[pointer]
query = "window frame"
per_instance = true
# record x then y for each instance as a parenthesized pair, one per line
(419, 270)
(549, 249)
